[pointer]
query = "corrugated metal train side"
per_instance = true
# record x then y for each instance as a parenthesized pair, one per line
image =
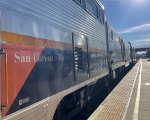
(41, 41)
(50, 49)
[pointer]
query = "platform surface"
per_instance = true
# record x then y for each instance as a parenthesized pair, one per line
(130, 99)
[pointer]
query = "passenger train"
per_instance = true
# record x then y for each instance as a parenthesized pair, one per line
(52, 53)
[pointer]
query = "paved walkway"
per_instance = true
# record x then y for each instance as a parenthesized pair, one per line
(130, 99)
(139, 107)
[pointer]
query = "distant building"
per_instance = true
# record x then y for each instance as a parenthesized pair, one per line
(141, 54)
(148, 53)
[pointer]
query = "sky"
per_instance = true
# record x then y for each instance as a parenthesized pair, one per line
(130, 18)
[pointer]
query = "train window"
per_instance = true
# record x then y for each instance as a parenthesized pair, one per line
(101, 16)
(78, 1)
(83, 4)
(112, 35)
(120, 40)
(91, 7)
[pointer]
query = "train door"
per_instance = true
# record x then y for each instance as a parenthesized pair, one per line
(81, 59)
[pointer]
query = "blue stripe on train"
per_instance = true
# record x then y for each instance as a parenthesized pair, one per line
(51, 74)
(54, 73)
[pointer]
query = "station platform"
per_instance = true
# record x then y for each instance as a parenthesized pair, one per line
(130, 99)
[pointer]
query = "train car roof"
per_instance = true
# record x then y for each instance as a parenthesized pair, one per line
(100, 4)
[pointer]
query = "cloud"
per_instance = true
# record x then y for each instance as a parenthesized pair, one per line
(146, 35)
(129, 1)
(141, 43)
(123, 2)
(120, 1)
(141, 40)
(144, 27)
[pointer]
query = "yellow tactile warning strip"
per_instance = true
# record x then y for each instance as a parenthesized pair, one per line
(115, 105)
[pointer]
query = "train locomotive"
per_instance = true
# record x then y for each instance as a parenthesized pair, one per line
(52, 53)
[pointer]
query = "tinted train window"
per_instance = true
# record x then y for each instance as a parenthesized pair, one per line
(101, 16)
(91, 7)
(78, 1)
(112, 35)
(83, 4)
